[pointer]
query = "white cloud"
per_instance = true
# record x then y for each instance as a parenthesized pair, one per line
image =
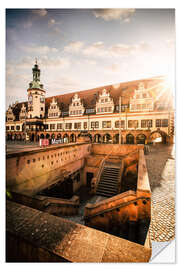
(96, 49)
(65, 82)
(74, 47)
(51, 22)
(114, 14)
(39, 49)
(53, 25)
(58, 62)
(125, 50)
(40, 12)
(43, 62)
(25, 63)
(121, 49)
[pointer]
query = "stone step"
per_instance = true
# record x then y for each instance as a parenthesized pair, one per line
(111, 169)
(104, 179)
(106, 189)
(110, 173)
(107, 184)
(110, 176)
(105, 194)
(107, 170)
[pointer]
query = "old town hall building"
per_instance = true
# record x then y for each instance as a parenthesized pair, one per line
(138, 112)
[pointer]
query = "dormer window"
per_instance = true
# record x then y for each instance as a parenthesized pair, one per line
(105, 103)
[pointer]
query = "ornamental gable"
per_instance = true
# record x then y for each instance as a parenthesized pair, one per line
(22, 114)
(105, 103)
(141, 100)
(9, 114)
(76, 107)
(54, 111)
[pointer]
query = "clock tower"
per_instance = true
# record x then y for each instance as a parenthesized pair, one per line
(36, 95)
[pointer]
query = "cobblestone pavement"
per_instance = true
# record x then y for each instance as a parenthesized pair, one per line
(161, 169)
(18, 146)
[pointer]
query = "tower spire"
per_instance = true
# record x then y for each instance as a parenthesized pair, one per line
(36, 72)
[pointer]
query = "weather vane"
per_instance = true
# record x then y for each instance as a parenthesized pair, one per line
(36, 60)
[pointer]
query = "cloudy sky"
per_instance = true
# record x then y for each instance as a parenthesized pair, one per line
(79, 49)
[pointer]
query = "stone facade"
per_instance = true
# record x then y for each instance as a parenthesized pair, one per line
(146, 113)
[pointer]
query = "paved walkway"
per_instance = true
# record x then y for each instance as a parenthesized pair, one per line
(161, 169)
(15, 146)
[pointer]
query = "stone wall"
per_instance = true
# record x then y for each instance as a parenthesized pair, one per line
(29, 172)
(127, 214)
(34, 236)
(54, 206)
(115, 149)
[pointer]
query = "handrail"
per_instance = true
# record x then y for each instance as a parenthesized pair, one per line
(100, 170)
(123, 204)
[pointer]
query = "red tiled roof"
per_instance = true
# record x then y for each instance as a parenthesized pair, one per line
(126, 90)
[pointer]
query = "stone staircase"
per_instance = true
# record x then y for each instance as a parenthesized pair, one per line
(110, 178)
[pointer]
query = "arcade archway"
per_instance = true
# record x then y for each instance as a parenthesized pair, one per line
(116, 139)
(66, 138)
(159, 136)
(72, 137)
(140, 138)
(107, 138)
(97, 138)
(129, 139)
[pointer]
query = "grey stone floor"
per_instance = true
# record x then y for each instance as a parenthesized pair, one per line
(161, 169)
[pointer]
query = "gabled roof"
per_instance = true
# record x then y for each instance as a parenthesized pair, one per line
(126, 90)
(156, 86)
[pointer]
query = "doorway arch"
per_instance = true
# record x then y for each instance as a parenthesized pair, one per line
(129, 139)
(97, 138)
(140, 138)
(159, 136)
(107, 138)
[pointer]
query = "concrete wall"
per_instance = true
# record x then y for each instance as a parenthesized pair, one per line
(34, 236)
(29, 172)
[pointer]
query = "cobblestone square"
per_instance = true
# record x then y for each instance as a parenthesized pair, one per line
(161, 169)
